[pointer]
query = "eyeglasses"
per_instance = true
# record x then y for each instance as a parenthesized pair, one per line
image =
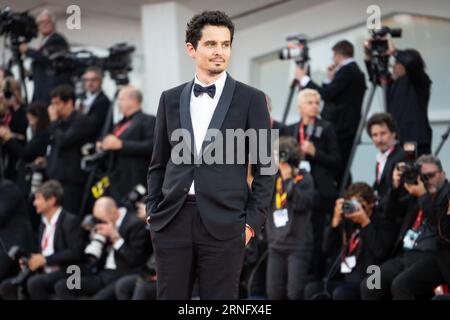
(90, 79)
(430, 175)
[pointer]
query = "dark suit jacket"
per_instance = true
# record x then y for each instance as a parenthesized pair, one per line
(136, 248)
(223, 198)
(45, 77)
(343, 98)
(326, 163)
(385, 184)
(15, 227)
(131, 163)
(68, 241)
(97, 116)
(67, 137)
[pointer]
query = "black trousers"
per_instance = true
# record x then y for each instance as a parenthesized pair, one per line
(287, 272)
(131, 287)
(73, 195)
(39, 286)
(397, 274)
(184, 250)
(337, 290)
(96, 287)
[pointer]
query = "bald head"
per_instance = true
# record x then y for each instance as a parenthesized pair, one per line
(130, 99)
(106, 209)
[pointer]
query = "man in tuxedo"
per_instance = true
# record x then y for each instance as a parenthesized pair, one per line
(125, 250)
(45, 77)
(382, 129)
(60, 245)
(130, 144)
(95, 104)
(67, 134)
(343, 93)
(202, 215)
(320, 156)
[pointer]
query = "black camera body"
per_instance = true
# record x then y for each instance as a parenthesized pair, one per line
(297, 49)
(411, 170)
(20, 27)
(350, 206)
(17, 253)
(290, 157)
(379, 43)
(137, 194)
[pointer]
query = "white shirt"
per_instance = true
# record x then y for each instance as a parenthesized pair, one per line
(110, 261)
(47, 241)
(382, 158)
(202, 109)
(87, 103)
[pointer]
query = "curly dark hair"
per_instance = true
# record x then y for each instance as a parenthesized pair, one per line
(361, 189)
(212, 18)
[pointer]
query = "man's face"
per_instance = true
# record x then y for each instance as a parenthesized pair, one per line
(125, 102)
(398, 70)
(45, 25)
(310, 106)
(436, 178)
(60, 106)
(213, 50)
(41, 204)
(91, 82)
(382, 137)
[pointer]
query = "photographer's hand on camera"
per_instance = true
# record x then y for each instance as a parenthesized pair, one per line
(286, 170)
(108, 230)
(338, 213)
(36, 261)
(359, 217)
(416, 190)
(397, 175)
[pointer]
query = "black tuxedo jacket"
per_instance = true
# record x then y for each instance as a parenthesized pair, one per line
(343, 98)
(68, 241)
(385, 184)
(224, 200)
(97, 116)
(327, 160)
(131, 162)
(45, 77)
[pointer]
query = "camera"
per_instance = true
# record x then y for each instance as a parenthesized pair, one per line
(117, 63)
(17, 253)
(350, 206)
(410, 170)
(290, 157)
(137, 194)
(35, 176)
(90, 157)
(20, 27)
(89, 222)
(378, 43)
(94, 249)
(297, 49)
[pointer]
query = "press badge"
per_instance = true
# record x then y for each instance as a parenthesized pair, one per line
(409, 241)
(280, 217)
(305, 165)
(348, 264)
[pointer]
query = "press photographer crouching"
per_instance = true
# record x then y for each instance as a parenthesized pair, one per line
(355, 226)
(120, 245)
(419, 193)
(289, 228)
(60, 245)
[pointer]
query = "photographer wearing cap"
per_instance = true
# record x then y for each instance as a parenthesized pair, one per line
(60, 245)
(320, 156)
(343, 94)
(408, 93)
(289, 228)
(120, 245)
(356, 227)
(45, 78)
(415, 215)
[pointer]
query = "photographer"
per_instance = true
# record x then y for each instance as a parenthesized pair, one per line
(382, 129)
(60, 245)
(45, 78)
(356, 227)
(13, 120)
(415, 214)
(408, 94)
(289, 228)
(319, 155)
(38, 122)
(68, 134)
(120, 246)
(96, 104)
(343, 94)
(130, 144)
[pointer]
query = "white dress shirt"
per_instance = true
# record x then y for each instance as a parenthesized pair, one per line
(202, 109)
(48, 237)
(87, 103)
(382, 158)
(110, 261)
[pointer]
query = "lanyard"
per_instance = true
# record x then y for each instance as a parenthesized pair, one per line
(281, 195)
(418, 221)
(121, 128)
(301, 133)
(46, 237)
(354, 242)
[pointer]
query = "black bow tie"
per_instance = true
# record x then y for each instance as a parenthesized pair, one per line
(210, 90)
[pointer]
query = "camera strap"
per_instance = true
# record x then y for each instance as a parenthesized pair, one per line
(281, 195)
(418, 221)
(354, 242)
(121, 128)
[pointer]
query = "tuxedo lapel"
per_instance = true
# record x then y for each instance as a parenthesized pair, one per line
(221, 109)
(185, 114)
